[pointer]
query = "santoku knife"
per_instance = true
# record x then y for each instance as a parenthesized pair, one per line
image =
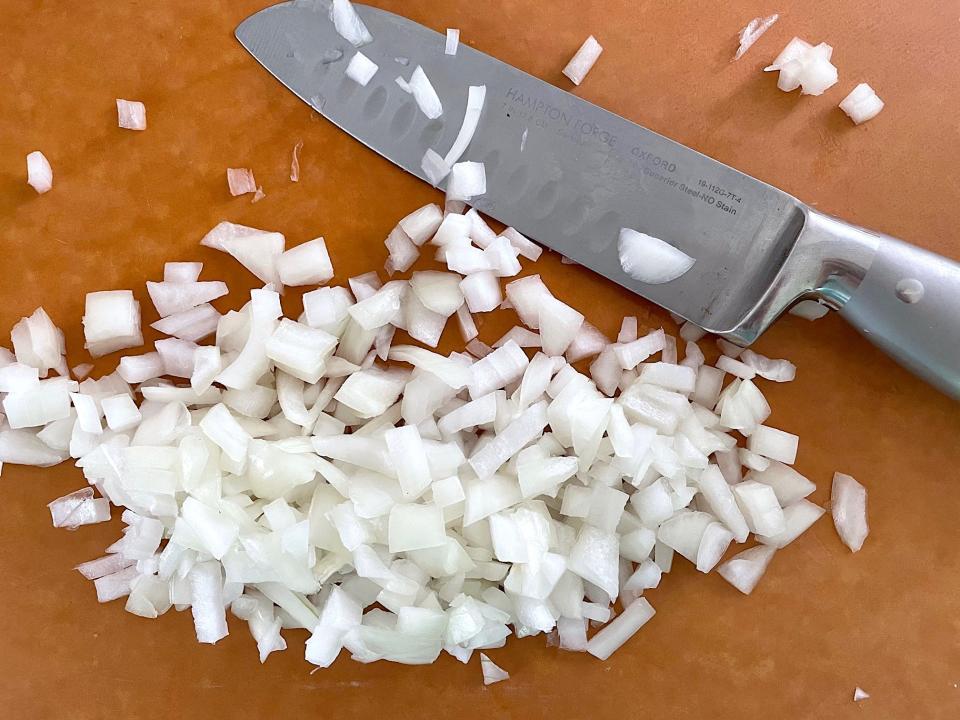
(570, 174)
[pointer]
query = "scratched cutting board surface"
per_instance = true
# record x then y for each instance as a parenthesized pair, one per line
(822, 620)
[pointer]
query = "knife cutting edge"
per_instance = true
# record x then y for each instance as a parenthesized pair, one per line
(584, 173)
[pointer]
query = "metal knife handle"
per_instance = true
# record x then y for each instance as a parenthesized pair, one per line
(908, 305)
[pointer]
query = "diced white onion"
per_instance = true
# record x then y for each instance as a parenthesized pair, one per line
(861, 104)
(581, 63)
(802, 65)
(774, 444)
(848, 503)
(649, 259)
(453, 40)
(111, 321)
(240, 181)
(361, 69)
(423, 93)
(131, 114)
(745, 569)
(467, 181)
(39, 172)
(306, 264)
(621, 628)
(348, 23)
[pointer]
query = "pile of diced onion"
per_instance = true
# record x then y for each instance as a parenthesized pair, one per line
(397, 503)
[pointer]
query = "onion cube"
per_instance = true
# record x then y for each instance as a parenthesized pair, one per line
(414, 527)
(848, 503)
(121, 412)
(760, 507)
(39, 172)
(745, 569)
(774, 444)
(131, 114)
(306, 264)
(361, 69)
(300, 350)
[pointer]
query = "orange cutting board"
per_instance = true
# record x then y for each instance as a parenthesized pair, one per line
(821, 622)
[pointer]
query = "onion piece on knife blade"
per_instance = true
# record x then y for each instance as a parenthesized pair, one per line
(348, 24)
(649, 259)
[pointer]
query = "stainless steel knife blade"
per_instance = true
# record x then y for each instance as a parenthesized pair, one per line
(570, 175)
(583, 172)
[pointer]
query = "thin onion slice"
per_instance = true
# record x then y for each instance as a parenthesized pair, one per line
(745, 569)
(476, 96)
(295, 162)
(752, 32)
(240, 181)
(452, 42)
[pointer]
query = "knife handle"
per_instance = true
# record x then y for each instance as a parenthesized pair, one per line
(908, 305)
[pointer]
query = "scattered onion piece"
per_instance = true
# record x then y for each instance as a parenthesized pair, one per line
(131, 114)
(745, 569)
(752, 32)
(348, 23)
(39, 172)
(492, 673)
(581, 63)
(803, 65)
(295, 162)
(862, 104)
(240, 181)
(860, 694)
(453, 41)
(848, 504)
